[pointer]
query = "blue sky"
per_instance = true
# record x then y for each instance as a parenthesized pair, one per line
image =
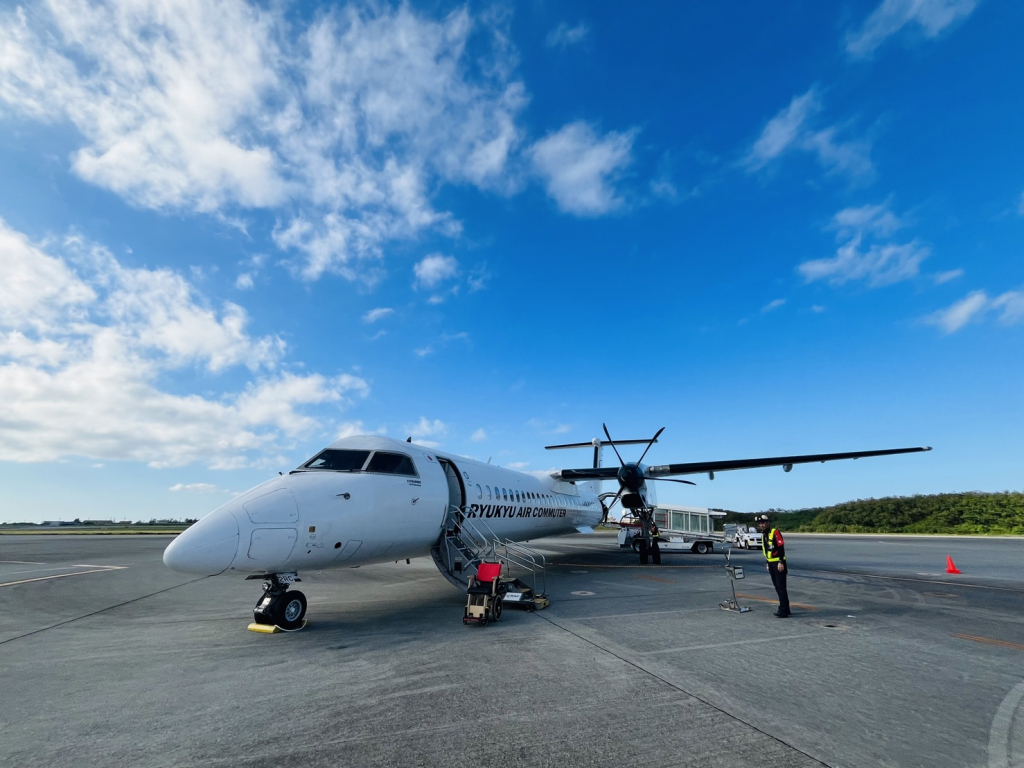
(232, 232)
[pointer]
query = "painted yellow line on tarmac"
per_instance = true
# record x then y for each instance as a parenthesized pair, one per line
(102, 569)
(990, 641)
(775, 600)
(653, 578)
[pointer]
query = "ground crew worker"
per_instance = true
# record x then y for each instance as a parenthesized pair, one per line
(774, 549)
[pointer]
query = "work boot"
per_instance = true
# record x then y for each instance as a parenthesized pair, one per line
(781, 614)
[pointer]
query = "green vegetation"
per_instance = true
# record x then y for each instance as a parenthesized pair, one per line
(975, 512)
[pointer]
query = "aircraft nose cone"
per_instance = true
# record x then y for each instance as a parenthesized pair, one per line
(207, 548)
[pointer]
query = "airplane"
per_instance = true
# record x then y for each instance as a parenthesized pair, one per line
(372, 499)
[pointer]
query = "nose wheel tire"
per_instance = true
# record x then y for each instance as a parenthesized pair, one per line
(286, 610)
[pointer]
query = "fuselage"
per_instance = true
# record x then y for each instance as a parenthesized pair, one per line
(388, 505)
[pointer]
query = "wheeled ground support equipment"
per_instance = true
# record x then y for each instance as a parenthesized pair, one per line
(484, 595)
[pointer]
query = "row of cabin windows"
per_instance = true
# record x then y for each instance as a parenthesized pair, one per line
(522, 497)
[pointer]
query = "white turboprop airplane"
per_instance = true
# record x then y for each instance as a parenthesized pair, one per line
(371, 499)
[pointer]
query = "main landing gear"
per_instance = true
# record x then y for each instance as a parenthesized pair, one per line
(648, 552)
(277, 606)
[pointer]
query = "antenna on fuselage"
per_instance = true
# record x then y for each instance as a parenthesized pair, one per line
(408, 439)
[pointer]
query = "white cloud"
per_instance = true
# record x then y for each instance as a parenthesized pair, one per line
(932, 16)
(435, 269)
(479, 436)
(345, 124)
(478, 277)
(244, 282)
(549, 428)
(857, 258)
(794, 129)
(580, 168)
(955, 317)
(518, 464)
(423, 351)
(1012, 305)
(563, 35)
(427, 428)
(976, 305)
(85, 377)
(945, 277)
(377, 314)
(195, 487)
(35, 288)
(772, 305)
(873, 219)
(817, 308)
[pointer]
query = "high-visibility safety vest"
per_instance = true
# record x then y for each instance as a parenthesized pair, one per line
(764, 546)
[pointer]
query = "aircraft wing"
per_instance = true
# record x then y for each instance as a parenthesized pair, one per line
(703, 467)
(700, 467)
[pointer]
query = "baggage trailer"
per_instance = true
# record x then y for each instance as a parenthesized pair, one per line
(683, 529)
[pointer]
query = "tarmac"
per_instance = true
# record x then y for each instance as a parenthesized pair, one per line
(107, 658)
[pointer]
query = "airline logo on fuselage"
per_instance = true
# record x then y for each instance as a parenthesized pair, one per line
(510, 510)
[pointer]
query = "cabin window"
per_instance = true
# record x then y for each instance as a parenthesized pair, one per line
(488, 492)
(479, 491)
(339, 460)
(391, 464)
(504, 494)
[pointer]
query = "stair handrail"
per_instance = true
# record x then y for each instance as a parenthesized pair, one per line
(481, 541)
(527, 557)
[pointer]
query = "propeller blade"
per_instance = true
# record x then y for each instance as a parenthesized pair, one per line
(608, 435)
(653, 441)
(669, 480)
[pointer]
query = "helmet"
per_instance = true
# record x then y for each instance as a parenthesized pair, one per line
(761, 519)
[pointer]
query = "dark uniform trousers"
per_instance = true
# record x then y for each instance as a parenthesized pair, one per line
(779, 582)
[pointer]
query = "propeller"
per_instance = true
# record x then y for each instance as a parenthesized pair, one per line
(631, 476)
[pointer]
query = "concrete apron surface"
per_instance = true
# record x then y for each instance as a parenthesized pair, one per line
(122, 662)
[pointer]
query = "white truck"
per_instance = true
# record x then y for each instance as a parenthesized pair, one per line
(743, 536)
(683, 529)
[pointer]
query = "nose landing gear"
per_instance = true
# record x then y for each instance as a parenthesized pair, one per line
(277, 606)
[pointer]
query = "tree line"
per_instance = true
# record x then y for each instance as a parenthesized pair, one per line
(973, 512)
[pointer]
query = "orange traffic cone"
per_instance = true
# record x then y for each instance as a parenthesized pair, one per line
(950, 567)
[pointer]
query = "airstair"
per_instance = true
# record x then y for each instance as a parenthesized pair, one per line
(464, 543)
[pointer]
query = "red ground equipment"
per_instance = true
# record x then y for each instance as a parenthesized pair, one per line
(483, 596)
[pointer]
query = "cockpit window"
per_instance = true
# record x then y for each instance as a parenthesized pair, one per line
(338, 460)
(391, 464)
